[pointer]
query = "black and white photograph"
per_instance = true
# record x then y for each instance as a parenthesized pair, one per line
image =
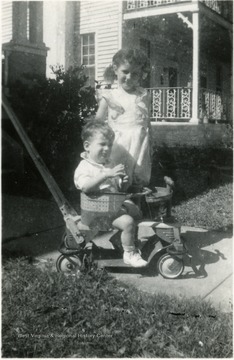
(117, 179)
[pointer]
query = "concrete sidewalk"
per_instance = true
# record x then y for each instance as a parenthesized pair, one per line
(34, 227)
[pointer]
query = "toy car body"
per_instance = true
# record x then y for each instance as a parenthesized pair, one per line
(159, 242)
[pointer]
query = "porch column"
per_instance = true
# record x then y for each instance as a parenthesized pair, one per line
(36, 22)
(72, 55)
(120, 25)
(195, 97)
(25, 53)
(19, 21)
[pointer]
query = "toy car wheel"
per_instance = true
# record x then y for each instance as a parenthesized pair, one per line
(170, 267)
(68, 264)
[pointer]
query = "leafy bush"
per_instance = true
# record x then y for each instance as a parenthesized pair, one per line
(46, 314)
(194, 170)
(52, 112)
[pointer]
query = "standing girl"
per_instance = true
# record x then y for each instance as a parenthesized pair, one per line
(128, 115)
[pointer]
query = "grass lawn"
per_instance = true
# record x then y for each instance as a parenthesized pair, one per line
(47, 314)
(212, 210)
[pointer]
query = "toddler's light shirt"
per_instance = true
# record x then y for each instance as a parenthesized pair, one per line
(88, 169)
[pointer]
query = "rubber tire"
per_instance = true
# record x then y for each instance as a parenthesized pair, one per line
(166, 260)
(68, 264)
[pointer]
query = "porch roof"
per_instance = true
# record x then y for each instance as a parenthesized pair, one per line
(177, 7)
(171, 8)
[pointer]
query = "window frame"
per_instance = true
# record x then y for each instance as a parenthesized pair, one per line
(89, 55)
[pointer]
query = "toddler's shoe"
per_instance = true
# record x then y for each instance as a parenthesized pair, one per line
(134, 259)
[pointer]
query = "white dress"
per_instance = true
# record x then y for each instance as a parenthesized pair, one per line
(129, 118)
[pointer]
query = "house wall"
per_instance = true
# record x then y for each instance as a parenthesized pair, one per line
(226, 79)
(103, 19)
(226, 84)
(6, 15)
(164, 53)
(191, 135)
(211, 76)
(64, 22)
(54, 33)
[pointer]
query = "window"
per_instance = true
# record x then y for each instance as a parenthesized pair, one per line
(88, 56)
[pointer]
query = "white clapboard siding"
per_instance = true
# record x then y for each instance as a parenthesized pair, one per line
(6, 19)
(102, 18)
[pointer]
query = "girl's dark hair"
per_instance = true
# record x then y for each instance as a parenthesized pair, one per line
(96, 126)
(134, 57)
(109, 74)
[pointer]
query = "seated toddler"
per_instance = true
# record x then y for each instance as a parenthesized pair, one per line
(95, 173)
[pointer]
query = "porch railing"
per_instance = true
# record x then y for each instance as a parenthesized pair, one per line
(171, 103)
(175, 104)
(213, 105)
(138, 4)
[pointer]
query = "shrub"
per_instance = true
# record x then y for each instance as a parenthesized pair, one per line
(194, 170)
(52, 112)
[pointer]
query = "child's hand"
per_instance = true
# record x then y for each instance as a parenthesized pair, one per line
(118, 170)
(123, 182)
(125, 179)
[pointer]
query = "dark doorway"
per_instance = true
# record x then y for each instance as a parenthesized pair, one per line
(172, 77)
